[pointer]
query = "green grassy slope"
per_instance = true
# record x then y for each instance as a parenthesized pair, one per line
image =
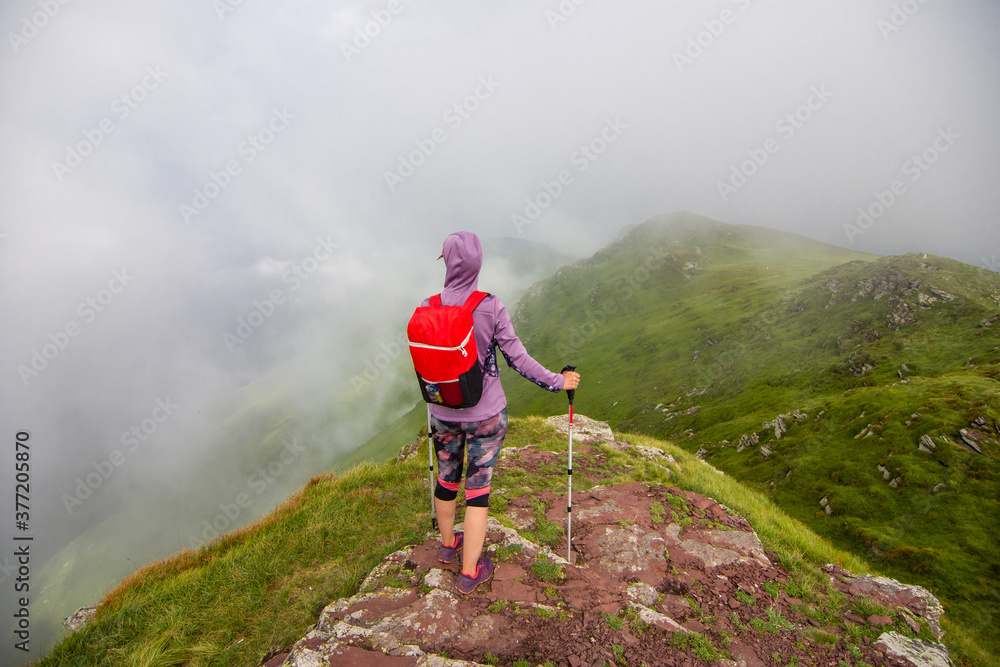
(702, 332)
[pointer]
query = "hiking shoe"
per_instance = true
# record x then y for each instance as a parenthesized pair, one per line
(447, 554)
(484, 572)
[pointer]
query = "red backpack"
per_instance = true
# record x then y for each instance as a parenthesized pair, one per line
(443, 348)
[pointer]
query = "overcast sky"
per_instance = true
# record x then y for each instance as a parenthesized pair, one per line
(168, 168)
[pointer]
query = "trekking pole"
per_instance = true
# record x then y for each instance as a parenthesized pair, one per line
(569, 475)
(430, 468)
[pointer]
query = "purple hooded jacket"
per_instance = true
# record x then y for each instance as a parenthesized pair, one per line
(463, 258)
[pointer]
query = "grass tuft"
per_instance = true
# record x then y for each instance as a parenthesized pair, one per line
(696, 644)
(547, 571)
(614, 621)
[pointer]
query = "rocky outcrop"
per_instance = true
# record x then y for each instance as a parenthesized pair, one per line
(860, 363)
(746, 441)
(904, 289)
(912, 651)
(890, 282)
(655, 571)
(586, 431)
(674, 410)
(780, 425)
(834, 287)
(890, 593)
(979, 435)
(894, 481)
(80, 618)
(973, 439)
(902, 315)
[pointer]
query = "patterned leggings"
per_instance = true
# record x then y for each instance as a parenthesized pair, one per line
(483, 441)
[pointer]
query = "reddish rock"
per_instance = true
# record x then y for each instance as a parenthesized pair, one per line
(674, 606)
(369, 608)
(512, 591)
(609, 608)
(351, 656)
(693, 625)
(892, 594)
(424, 557)
(627, 553)
(507, 572)
(880, 621)
(703, 503)
(744, 655)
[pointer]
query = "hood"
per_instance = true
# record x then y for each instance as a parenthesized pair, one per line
(463, 257)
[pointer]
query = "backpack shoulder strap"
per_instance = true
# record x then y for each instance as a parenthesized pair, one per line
(474, 300)
(435, 300)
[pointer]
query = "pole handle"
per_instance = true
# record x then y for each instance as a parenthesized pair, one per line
(569, 392)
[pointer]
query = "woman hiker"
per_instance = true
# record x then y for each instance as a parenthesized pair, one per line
(479, 429)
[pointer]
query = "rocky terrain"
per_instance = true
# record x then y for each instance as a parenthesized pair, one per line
(659, 577)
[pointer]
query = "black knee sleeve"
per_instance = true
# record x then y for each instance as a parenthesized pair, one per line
(442, 493)
(479, 501)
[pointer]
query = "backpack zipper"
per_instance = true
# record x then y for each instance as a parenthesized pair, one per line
(460, 348)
